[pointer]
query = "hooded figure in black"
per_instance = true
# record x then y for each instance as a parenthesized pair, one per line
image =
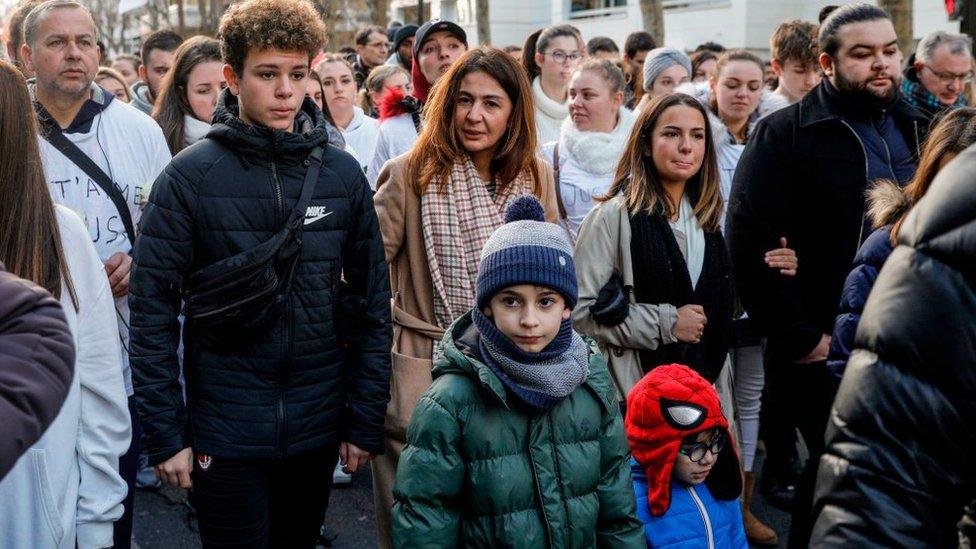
(898, 468)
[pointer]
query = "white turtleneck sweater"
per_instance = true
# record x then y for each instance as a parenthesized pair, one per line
(549, 114)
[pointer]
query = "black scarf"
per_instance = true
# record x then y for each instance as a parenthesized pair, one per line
(661, 276)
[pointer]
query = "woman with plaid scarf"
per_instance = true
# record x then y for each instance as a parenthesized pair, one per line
(437, 206)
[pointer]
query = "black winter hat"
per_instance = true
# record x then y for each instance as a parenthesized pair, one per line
(436, 25)
(402, 34)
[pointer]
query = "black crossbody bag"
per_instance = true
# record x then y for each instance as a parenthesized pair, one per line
(52, 133)
(246, 292)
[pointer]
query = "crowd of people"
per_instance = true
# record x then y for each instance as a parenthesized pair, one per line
(554, 294)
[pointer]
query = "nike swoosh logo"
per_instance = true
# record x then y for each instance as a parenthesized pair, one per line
(315, 213)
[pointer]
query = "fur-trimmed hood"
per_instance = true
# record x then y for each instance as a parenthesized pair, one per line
(886, 202)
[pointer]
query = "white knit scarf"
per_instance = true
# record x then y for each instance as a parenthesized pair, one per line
(597, 153)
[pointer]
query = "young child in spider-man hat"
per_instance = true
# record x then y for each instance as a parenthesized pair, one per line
(685, 469)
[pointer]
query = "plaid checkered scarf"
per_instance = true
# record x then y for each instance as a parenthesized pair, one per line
(459, 215)
(919, 97)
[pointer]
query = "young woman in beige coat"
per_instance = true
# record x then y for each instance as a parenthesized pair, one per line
(437, 205)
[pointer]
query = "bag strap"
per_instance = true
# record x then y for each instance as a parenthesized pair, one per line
(52, 132)
(559, 192)
(308, 187)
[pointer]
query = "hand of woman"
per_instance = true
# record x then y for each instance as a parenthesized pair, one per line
(690, 324)
(783, 259)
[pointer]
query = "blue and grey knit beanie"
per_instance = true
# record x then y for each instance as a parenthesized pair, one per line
(527, 250)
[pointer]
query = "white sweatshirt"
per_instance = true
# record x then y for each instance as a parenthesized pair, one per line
(361, 135)
(396, 136)
(66, 489)
(129, 147)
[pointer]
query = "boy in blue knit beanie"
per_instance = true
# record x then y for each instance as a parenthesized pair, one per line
(518, 442)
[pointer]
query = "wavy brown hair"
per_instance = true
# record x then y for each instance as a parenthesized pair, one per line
(30, 241)
(171, 104)
(439, 144)
(951, 134)
(637, 178)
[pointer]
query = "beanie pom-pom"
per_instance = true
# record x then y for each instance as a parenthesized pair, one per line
(525, 208)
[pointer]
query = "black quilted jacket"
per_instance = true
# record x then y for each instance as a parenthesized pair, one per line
(898, 470)
(293, 388)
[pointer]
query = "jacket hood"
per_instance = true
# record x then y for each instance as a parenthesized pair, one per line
(919, 312)
(886, 203)
(140, 97)
(458, 354)
(255, 141)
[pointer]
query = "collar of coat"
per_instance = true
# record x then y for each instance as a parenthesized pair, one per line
(451, 359)
(253, 141)
(817, 106)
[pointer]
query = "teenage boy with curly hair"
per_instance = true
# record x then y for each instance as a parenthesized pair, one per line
(273, 398)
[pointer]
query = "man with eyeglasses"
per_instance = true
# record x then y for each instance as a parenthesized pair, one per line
(372, 49)
(937, 75)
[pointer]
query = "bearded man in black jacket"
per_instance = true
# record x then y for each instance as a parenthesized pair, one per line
(803, 176)
(269, 409)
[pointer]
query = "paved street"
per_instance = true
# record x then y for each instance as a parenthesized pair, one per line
(162, 518)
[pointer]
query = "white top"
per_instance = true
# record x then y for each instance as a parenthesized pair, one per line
(587, 164)
(694, 239)
(67, 487)
(128, 146)
(549, 114)
(361, 135)
(396, 136)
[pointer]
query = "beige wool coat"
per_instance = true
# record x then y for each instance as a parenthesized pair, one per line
(414, 329)
(603, 248)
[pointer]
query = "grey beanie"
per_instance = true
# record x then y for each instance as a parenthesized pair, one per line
(661, 59)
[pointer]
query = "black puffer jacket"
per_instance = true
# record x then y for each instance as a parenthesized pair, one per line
(37, 362)
(290, 390)
(898, 469)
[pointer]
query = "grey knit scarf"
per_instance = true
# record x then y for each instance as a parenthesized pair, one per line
(540, 379)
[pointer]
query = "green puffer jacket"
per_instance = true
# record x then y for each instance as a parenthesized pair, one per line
(482, 469)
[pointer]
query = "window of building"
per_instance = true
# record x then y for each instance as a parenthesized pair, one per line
(585, 9)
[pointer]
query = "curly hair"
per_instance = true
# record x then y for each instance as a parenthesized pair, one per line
(289, 25)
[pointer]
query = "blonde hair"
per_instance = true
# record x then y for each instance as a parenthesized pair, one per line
(375, 82)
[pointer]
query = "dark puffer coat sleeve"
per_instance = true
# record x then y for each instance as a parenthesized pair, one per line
(760, 207)
(430, 479)
(617, 525)
(870, 258)
(37, 355)
(365, 312)
(162, 253)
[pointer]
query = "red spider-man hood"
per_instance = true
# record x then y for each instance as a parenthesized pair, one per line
(668, 404)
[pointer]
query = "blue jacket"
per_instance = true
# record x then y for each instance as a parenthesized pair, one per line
(868, 261)
(694, 515)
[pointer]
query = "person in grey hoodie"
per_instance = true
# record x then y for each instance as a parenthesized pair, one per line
(158, 55)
